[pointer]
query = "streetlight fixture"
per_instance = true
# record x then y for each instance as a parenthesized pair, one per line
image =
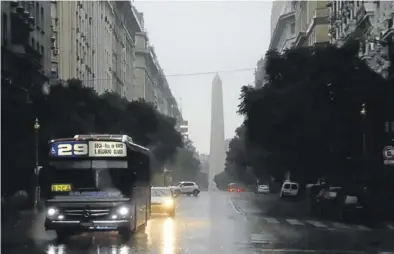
(36, 169)
(165, 172)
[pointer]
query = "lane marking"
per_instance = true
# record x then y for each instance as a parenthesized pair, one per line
(271, 220)
(317, 224)
(295, 222)
(390, 227)
(319, 251)
(340, 225)
(362, 227)
(234, 207)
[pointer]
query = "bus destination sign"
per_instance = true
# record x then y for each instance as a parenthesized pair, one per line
(107, 149)
(88, 149)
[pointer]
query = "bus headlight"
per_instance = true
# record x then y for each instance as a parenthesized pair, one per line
(123, 210)
(169, 202)
(51, 211)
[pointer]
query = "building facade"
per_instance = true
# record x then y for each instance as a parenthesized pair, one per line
(299, 23)
(259, 74)
(26, 43)
(95, 43)
(184, 129)
(370, 22)
(312, 25)
(282, 26)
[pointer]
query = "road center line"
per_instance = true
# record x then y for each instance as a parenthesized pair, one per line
(339, 225)
(317, 251)
(295, 222)
(271, 220)
(231, 202)
(362, 227)
(316, 223)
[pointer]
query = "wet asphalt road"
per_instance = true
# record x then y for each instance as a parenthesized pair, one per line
(216, 222)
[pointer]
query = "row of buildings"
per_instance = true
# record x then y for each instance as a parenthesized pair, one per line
(298, 23)
(102, 43)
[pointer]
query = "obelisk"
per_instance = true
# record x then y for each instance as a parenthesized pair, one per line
(217, 147)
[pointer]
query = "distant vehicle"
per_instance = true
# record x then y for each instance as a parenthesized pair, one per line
(96, 182)
(162, 201)
(289, 189)
(185, 187)
(263, 188)
(235, 187)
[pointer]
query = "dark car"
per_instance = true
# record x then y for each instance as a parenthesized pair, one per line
(340, 202)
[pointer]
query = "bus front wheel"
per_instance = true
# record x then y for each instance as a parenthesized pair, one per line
(62, 234)
(125, 232)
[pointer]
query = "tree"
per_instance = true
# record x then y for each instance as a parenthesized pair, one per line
(306, 118)
(222, 180)
(70, 109)
(186, 165)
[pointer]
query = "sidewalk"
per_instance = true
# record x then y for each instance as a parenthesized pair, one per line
(15, 227)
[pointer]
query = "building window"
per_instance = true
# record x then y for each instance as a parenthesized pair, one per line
(33, 42)
(292, 28)
(38, 47)
(38, 13)
(5, 29)
(42, 50)
(42, 16)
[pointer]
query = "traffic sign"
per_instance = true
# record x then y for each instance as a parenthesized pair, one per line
(388, 155)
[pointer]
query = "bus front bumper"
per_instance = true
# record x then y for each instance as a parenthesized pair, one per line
(91, 225)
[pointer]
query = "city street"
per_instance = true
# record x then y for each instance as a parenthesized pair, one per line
(216, 222)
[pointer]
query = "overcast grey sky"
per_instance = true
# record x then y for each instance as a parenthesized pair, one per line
(205, 36)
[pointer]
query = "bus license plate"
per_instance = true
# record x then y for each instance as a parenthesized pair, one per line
(61, 187)
(87, 224)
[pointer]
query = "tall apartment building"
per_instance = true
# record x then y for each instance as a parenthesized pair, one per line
(311, 26)
(184, 129)
(94, 42)
(299, 23)
(282, 26)
(259, 74)
(25, 43)
(371, 22)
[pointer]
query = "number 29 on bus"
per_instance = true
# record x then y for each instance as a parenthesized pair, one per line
(72, 149)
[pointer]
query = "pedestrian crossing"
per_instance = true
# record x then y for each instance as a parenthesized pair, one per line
(321, 224)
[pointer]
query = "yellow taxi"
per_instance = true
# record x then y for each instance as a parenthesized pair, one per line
(162, 201)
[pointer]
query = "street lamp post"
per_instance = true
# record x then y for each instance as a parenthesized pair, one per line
(363, 113)
(36, 169)
(165, 176)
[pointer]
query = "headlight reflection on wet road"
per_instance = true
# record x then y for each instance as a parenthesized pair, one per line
(168, 236)
(56, 249)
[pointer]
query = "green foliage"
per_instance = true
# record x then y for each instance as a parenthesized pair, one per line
(306, 118)
(222, 180)
(70, 109)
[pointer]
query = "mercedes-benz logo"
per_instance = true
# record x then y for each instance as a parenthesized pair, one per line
(86, 213)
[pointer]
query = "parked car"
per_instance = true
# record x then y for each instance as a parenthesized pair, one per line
(289, 189)
(340, 202)
(186, 188)
(263, 188)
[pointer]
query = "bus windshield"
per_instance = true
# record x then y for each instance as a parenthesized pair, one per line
(90, 175)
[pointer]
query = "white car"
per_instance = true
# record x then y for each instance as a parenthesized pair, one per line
(261, 188)
(289, 189)
(162, 201)
(184, 187)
